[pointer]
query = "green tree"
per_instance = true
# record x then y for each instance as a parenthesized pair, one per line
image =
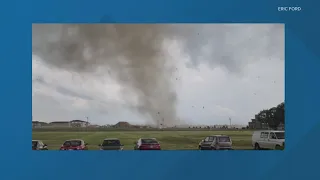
(273, 116)
(279, 114)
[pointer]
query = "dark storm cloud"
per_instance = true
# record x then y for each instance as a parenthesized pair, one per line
(233, 46)
(137, 60)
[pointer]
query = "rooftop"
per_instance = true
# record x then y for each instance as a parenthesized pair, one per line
(59, 122)
(111, 139)
(77, 121)
(269, 131)
(74, 140)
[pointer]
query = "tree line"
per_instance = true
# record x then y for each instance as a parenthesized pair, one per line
(273, 116)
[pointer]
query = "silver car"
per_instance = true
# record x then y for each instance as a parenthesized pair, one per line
(216, 142)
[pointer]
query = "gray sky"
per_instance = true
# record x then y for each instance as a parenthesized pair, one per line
(216, 72)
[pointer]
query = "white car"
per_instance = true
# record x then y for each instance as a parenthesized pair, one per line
(268, 139)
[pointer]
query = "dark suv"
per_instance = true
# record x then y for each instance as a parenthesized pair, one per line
(111, 144)
(216, 142)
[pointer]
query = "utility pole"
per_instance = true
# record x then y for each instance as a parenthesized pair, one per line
(87, 122)
(162, 123)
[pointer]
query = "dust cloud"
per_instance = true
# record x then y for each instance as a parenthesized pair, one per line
(135, 57)
(133, 54)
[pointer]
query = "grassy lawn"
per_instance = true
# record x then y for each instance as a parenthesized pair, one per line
(169, 140)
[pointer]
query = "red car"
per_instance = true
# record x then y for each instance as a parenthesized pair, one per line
(74, 144)
(147, 144)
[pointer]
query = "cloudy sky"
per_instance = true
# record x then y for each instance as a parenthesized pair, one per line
(210, 73)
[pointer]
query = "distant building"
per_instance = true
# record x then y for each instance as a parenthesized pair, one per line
(38, 124)
(60, 124)
(136, 126)
(94, 126)
(107, 126)
(256, 124)
(219, 126)
(122, 125)
(79, 123)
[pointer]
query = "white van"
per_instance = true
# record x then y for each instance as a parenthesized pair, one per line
(268, 139)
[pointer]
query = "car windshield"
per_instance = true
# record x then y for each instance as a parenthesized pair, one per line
(34, 143)
(72, 143)
(223, 139)
(110, 142)
(280, 135)
(148, 141)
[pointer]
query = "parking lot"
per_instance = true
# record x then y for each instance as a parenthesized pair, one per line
(169, 140)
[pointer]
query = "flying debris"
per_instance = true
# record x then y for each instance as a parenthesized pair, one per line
(90, 49)
(87, 49)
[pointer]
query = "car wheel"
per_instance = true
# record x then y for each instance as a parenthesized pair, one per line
(199, 148)
(277, 147)
(256, 146)
(213, 148)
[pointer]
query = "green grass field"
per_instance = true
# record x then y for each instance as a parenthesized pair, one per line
(169, 140)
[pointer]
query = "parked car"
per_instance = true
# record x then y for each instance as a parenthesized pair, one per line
(38, 145)
(111, 144)
(268, 139)
(74, 144)
(216, 142)
(147, 144)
